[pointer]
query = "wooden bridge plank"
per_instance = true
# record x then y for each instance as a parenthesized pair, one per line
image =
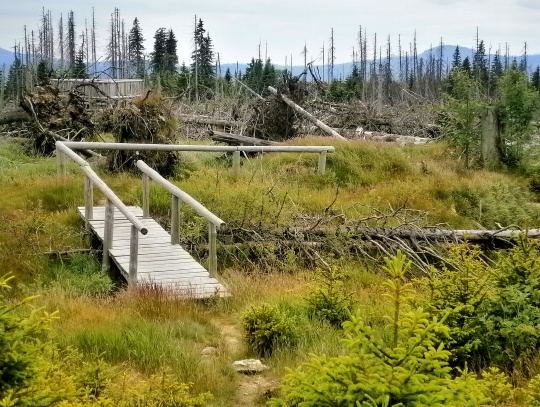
(159, 261)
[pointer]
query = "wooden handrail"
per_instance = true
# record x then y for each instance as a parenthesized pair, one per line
(78, 145)
(179, 196)
(322, 150)
(113, 201)
(96, 180)
(183, 196)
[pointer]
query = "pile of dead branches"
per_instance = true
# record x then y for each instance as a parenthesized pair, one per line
(271, 118)
(147, 120)
(355, 117)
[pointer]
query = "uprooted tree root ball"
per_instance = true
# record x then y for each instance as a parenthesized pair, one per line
(54, 112)
(272, 119)
(147, 120)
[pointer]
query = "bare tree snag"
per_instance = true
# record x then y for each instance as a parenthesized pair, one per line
(490, 138)
(327, 129)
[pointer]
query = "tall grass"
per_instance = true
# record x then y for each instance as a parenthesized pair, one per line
(148, 329)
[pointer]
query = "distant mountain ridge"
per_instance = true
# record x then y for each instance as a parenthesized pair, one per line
(341, 70)
(6, 58)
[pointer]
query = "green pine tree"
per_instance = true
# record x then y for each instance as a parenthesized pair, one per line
(171, 57)
(535, 79)
(136, 50)
(203, 59)
(456, 59)
(408, 369)
(159, 54)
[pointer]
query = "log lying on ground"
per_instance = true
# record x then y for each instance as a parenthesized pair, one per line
(208, 120)
(327, 129)
(14, 116)
(396, 138)
(300, 234)
(251, 91)
(238, 140)
(384, 137)
(429, 234)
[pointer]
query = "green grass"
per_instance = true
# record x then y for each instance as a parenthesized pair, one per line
(148, 331)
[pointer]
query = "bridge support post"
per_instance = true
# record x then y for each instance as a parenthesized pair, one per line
(61, 162)
(146, 195)
(212, 252)
(236, 164)
(88, 202)
(133, 256)
(108, 235)
(175, 220)
(322, 163)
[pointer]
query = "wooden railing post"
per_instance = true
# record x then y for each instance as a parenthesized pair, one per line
(133, 255)
(236, 163)
(146, 195)
(322, 162)
(108, 235)
(61, 162)
(212, 252)
(88, 202)
(175, 220)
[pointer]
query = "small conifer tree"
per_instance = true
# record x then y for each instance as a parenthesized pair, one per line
(410, 369)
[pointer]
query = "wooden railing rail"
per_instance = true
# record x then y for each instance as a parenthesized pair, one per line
(178, 197)
(91, 179)
(322, 150)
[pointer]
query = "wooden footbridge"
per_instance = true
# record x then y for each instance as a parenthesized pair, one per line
(142, 250)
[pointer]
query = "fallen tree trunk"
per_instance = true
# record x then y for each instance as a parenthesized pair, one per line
(251, 91)
(416, 233)
(324, 127)
(396, 138)
(14, 116)
(380, 233)
(238, 140)
(385, 137)
(208, 120)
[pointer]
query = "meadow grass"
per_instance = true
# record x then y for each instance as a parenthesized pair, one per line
(148, 330)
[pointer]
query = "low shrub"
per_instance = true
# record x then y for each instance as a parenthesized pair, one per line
(331, 301)
(266, 328)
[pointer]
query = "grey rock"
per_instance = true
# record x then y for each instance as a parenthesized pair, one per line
(249, 366)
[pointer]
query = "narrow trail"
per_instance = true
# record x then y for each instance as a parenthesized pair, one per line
(251, 388)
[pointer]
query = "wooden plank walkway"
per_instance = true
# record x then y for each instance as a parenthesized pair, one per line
(159, 261)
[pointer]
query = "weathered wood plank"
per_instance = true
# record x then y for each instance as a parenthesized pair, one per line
(157, 261)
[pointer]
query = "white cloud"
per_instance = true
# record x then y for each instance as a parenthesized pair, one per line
(534, 4)
(238, 26)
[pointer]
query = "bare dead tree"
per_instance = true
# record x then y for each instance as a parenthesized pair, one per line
(93, 42)
(331, 57)
(71, 42)
(61, 45)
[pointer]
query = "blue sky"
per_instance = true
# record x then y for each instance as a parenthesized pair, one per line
(237, 27)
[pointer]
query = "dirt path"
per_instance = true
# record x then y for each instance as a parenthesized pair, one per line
(251, 388)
